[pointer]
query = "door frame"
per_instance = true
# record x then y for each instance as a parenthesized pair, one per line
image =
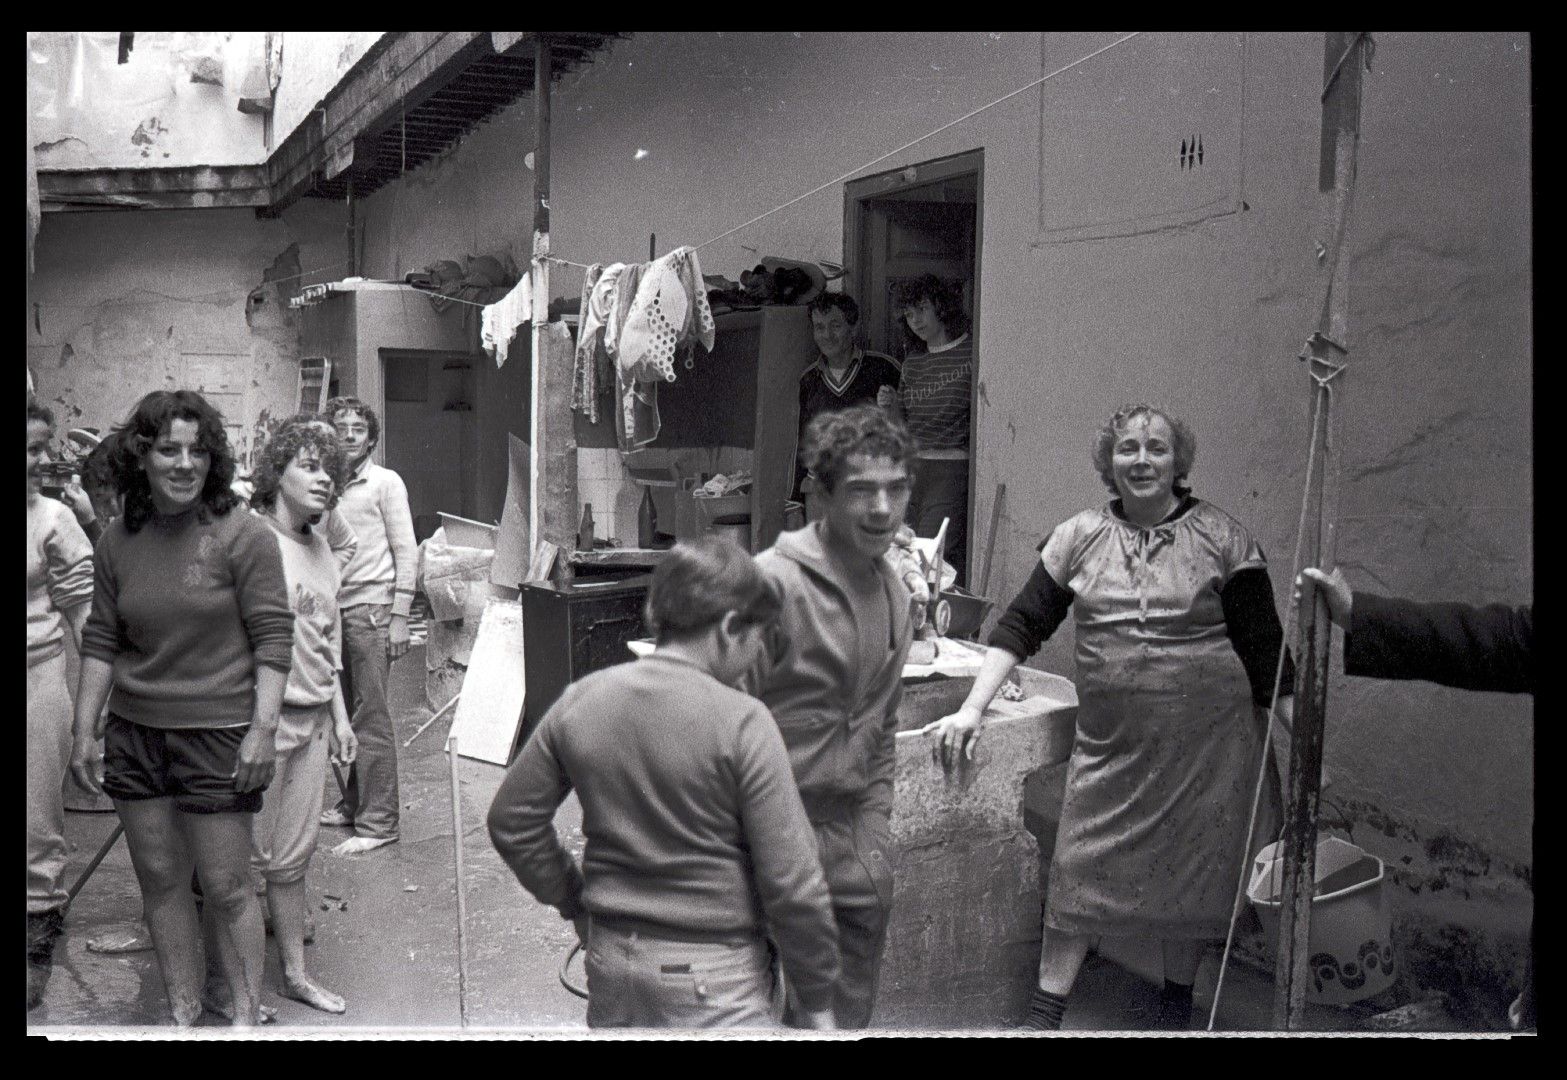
(856, 193)
(385, 353)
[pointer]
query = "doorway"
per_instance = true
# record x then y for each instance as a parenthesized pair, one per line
(429, 433)
(904, 223)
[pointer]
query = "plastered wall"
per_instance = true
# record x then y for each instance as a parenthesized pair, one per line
(685, 135)
(125, 303)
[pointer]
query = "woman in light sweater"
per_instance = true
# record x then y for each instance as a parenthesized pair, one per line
(298, 475)
(189, 644)
(59, 589)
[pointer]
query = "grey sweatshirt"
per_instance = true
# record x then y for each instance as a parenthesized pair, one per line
(691, 815)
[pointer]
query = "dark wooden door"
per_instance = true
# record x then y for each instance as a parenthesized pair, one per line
(906, 238)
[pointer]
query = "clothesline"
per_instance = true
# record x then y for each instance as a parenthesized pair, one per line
(893, 153)
(166, 298)
(877, 160)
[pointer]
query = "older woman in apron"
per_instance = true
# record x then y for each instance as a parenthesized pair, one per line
(1177, 647)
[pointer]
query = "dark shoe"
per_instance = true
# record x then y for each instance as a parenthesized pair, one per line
(1175, 1014)
(37, 980)
(1045, 1011)
(43, 930)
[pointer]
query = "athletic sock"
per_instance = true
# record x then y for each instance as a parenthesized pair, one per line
(1175, 1007)
(1045, 1011)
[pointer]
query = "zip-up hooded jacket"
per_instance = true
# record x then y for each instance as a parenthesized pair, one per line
(837, 720)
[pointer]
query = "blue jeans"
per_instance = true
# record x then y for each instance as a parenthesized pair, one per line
(645, 982)
(372, 798)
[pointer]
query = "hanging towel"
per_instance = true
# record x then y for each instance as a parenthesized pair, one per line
(590, 360)
(500, 320)
(670, 307)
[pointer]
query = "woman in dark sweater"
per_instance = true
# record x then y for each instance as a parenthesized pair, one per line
(1178, 645)
(189, 644)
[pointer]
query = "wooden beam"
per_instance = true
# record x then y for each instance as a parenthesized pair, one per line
(404, 69)
(201, 187)
(502, 41)
(552, 464)
(1343, 56)
(424, 63)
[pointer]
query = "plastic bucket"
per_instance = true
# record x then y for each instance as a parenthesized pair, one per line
(1351, 938)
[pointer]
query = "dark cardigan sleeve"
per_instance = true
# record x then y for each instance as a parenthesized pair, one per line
(1252, 623)
(1033, 615)
(1471, 648)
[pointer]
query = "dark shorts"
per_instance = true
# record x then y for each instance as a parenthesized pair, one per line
(194, 766)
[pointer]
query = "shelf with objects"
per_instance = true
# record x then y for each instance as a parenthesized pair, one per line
(733, 410)
(729, 414)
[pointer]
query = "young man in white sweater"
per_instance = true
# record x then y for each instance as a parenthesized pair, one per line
(377, 593)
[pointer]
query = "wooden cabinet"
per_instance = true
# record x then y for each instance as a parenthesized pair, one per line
(745, 393)
(570, 631)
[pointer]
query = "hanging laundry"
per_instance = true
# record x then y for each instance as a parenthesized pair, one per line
(500, 320)
(589, 359)
(670, 307)
(623, 292)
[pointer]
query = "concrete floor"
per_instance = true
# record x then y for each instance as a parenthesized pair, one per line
(389, 943)
(393, 952)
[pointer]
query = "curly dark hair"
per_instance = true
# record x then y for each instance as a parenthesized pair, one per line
(151, 417)
(98, 467)
(945, 296)
(354, 405)
(831, 437)
(302, 432)
(829, 302)
(702, 580)
(1104, 442)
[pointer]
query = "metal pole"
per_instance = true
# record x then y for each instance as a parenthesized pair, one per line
(462, 890)
(539, 274)
(1344, 54)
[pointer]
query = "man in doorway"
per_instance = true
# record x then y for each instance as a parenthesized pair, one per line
(832, 677)
(843, 376)
(377, 593)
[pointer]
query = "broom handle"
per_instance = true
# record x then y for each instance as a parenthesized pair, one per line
(462, 899)
(103, 852)
(990, 541)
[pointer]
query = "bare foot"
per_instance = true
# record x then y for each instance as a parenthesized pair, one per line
(131, 938)
(186, 1013)
(358, 845)
(217, 1000)
(309, 993)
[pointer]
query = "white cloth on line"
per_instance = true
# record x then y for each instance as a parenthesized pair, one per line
(499, 321)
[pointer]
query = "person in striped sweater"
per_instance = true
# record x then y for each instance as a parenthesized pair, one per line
(933, 400)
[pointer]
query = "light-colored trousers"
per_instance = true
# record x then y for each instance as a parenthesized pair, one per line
(48, 760)
(642, 982)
